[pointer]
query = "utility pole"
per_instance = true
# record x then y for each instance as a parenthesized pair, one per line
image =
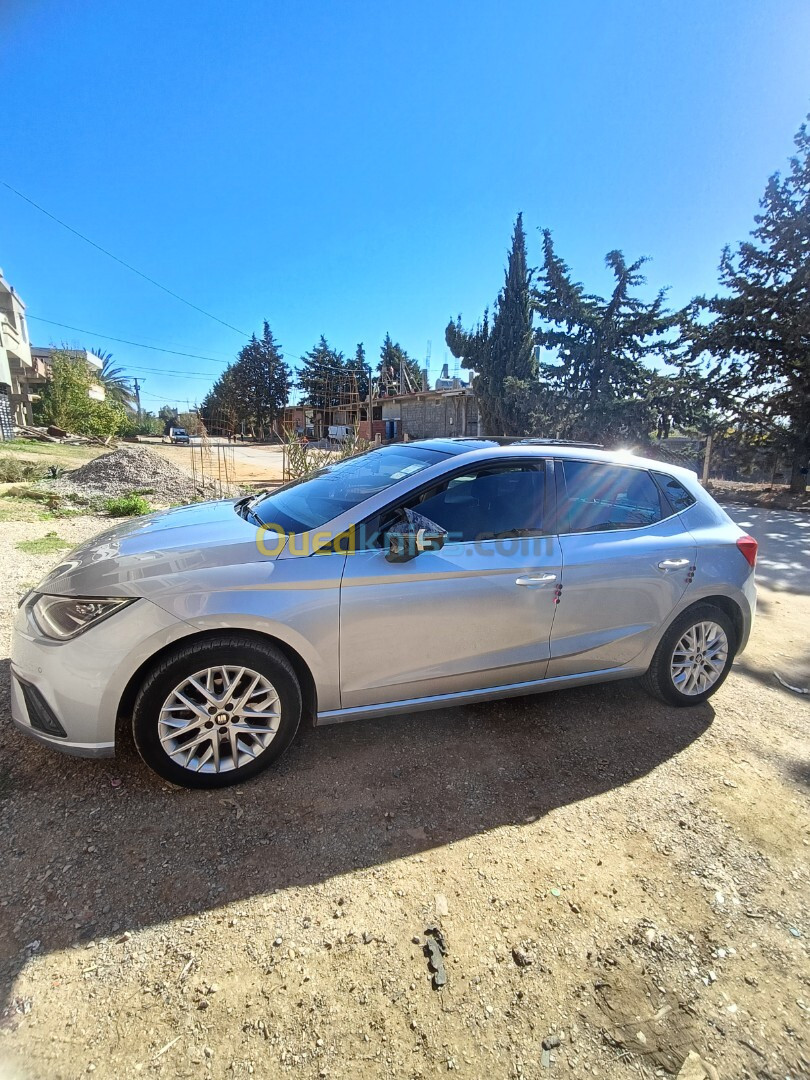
(137, 391)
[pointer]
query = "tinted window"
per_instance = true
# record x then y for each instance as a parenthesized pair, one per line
(605, 497)
(496, 502)
(311, 503)
(677, 495)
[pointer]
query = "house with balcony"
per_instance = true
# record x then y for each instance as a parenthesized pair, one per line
(17, 365)
(25, 368)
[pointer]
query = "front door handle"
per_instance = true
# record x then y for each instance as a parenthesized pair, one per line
(673, 564)
(536, 579)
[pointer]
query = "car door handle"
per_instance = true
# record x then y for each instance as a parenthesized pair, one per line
(536, 579)
(673, 564)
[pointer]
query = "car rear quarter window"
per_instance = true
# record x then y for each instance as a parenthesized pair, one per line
(677, 495)
(604, 498)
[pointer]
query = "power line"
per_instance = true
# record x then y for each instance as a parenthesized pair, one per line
(115, 258)
(175, 352)
(124, 341)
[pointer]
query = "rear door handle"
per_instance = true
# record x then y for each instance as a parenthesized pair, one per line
(536, 579)
(673, 564)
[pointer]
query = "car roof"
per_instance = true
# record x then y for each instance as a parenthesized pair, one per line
(512, 447)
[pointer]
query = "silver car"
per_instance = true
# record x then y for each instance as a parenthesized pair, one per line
(415, 576)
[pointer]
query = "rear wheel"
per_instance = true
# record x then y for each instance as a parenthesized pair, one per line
(217, 711)
(693, 658)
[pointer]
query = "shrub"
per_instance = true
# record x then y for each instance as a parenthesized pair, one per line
(131, 505)
(14, 471)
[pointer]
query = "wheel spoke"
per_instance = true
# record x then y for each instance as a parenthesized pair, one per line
(244, 697)
(202, 690)
(189, 704)
(183, 728)
(250, 729)
(230, 684)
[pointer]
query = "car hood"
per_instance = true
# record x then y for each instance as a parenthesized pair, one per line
(159, 552)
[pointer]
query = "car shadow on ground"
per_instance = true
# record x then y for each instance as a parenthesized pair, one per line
(90, 849)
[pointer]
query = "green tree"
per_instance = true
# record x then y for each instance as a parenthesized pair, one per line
(322, 378)
(264, 381)
(502, 356)
(224, 407)
(66, 400)
(116, 384)
(358, 367)
(253, 390)
(398, 372)
(595, 383)
(760, 330)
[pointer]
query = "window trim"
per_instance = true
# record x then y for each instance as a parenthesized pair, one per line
(563, 520)
(537, 463)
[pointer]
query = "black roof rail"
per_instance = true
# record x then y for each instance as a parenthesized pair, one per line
(521, 440)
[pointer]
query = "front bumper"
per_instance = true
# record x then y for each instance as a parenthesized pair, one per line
(23, 718)
(76, 686)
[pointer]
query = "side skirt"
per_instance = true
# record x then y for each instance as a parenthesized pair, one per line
(471, 697)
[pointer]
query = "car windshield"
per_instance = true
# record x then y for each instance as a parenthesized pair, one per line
(310, 503)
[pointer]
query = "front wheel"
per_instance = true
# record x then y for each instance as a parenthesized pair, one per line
(216, 712)
(693, 658)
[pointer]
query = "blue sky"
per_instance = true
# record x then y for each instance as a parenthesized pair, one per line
(354, 168)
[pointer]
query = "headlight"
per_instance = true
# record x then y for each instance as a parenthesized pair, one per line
(63, 617)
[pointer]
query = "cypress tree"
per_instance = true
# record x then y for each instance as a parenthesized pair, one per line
(503, 357)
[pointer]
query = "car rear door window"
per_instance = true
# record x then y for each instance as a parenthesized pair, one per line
(602, 498)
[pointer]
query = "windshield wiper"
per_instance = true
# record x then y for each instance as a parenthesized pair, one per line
(244, 509)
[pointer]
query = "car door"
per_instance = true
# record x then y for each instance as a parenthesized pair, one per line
(476, 614)
(627, 561)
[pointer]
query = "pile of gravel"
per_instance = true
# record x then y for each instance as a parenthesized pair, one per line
(137, 469)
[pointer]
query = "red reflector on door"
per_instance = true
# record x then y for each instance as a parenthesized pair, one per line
(748, 546)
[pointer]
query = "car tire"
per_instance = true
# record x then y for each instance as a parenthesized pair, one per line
(673, 677)
(191, 717)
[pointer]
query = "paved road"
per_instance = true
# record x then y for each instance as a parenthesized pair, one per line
(783, 562)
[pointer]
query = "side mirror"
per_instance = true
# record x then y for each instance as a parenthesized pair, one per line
(411, 541)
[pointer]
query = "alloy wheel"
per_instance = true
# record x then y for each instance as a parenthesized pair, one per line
(219, 719)
(699, 658)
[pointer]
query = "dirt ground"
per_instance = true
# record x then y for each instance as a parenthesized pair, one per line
(776, 496)
(627, 878)
(237, 463)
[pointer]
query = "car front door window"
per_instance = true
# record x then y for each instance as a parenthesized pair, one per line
(490, 503)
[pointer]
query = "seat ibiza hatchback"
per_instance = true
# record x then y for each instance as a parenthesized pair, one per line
(415, 576)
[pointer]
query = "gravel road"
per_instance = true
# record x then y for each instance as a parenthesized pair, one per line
(623, 881)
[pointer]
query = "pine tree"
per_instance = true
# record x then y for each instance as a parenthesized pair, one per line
(596, 386)
(358, 367)
(322, 379)
(761, 329)
(397, 371)
(503, 357)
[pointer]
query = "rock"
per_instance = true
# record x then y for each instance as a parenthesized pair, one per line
(694, 1068)
(521, 957)
(442, 907)
(550, 1042)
